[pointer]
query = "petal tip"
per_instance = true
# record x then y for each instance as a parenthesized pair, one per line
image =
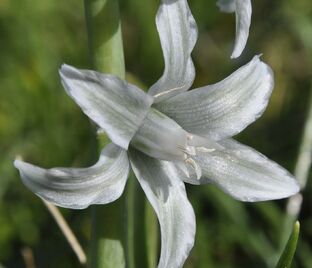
(65, 66)
(289, 189)
(233, 56)
(236, 52)
(295, 188)
(68, 71)
(17, 163)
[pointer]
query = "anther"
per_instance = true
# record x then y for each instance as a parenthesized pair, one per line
(195, 167)
(189, 136)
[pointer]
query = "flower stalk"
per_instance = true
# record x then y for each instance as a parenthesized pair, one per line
(104, 36)
(109, 233)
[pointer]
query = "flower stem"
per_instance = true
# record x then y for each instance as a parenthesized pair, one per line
(104, 36)
(110, 245)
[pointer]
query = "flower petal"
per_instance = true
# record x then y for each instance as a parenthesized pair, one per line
(178, 34)
(243, 12)
(78, 188)
(245, 174)
(224, 109)
(116, 106)
(243, 20)
(166, 192)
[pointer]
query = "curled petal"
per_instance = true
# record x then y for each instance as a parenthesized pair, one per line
(224, 109)
(178, 34)
(166, 192)
(245, 174)
(77, 188)
(243, 12)
(243, 19)
(116, 106)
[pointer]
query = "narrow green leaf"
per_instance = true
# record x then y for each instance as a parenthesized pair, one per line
(290, 249)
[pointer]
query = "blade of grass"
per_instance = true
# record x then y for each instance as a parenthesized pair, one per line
(290, 249)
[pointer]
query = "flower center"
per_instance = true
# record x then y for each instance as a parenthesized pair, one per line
(161, 137)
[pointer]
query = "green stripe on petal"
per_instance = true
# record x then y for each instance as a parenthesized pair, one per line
(165, 190)
(245, 174)
(178, 34)
(224, 109)
(77, 188)
(116, 106)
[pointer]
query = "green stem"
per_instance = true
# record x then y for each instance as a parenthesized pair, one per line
(104, 36)
(110, 239)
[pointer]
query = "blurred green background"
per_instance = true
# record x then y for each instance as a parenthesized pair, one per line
(39, 122)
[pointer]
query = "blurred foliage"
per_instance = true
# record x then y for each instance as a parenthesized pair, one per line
(40, 123)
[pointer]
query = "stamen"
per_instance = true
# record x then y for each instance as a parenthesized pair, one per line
(188, 150)
(195, 167)
(183, 168)
(189, 136)
(191, 150)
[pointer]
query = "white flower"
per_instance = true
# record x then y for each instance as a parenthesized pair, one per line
(170, 137)
(242, 9)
